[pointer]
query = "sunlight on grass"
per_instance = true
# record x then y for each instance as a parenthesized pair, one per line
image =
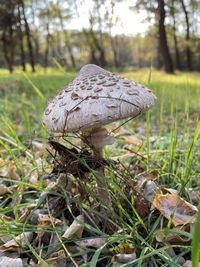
(164, 147)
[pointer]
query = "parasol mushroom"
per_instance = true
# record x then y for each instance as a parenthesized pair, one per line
(96, 97)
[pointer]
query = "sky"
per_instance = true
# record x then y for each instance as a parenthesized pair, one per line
(129, 22)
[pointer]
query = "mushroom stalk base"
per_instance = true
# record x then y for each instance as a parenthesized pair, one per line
(97, 138)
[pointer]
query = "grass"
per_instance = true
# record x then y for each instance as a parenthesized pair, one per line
(169, 155)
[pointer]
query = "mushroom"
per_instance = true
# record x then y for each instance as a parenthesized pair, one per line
(96, 97)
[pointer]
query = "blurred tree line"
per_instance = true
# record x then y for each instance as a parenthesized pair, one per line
(36, 32)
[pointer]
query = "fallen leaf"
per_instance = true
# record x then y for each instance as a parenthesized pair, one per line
(75, 229)
(24, 215)
(19, 242)
(3, 189)
(12, 171)
(194, 195)
(46, 220)
(176, 208)
(10, 262)
(141, 204)
(6, 218)
(96, 242)
(123, 258)
(13, 188)
(166, 190)
(150, 190)
(56, 255)
(167, 235)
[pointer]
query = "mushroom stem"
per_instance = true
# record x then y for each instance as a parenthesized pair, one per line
(97, 138)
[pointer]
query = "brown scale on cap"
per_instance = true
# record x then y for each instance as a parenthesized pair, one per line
(101, 97)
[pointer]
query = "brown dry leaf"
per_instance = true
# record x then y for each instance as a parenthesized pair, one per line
(12, 171)
(123, 258)
(24, 215)
(194, 195)
(173, 206)
(45, 220)
(20, 241)
(13, 188)
(4, 238)
(166, 190)
(141, 204)
(56, 256)
(75, 229)
(165, 235)
(6, 218)
(92, 242)
(3, 189)
(150, 190)
(144, 183)
(10, 262)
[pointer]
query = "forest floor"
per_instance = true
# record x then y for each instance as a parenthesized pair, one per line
(49, 217)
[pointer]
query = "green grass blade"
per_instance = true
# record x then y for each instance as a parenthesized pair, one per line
(37, 90)
(196, 242)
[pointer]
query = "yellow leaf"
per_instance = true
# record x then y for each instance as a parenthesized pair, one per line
(175, 208)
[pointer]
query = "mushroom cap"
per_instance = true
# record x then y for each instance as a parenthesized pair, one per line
(94, 98)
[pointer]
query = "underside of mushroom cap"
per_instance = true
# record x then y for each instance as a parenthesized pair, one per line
(94, 98)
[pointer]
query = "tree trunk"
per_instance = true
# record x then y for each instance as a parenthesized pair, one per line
(188, 51)
(114, 50)
(8, 39)
(28, 36)
(73, 63)
(20, 33)
(46, 54)
(100, 49)
(8, 59)
(177, 54)
(163, 46)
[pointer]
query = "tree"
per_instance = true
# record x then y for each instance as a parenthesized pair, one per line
(173, 14)
(164, 57)
(163, 45)
(188, 51)
(7, 29)
(28, 36)
(20, 34)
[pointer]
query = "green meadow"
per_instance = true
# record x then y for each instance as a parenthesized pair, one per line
(161, 146)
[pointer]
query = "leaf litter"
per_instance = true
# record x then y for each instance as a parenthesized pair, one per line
(68, 205)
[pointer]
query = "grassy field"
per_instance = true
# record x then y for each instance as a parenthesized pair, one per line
(160, 148)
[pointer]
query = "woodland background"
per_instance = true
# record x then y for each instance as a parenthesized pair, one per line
(36, 32)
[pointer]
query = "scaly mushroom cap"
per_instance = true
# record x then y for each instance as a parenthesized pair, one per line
(94, 98)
